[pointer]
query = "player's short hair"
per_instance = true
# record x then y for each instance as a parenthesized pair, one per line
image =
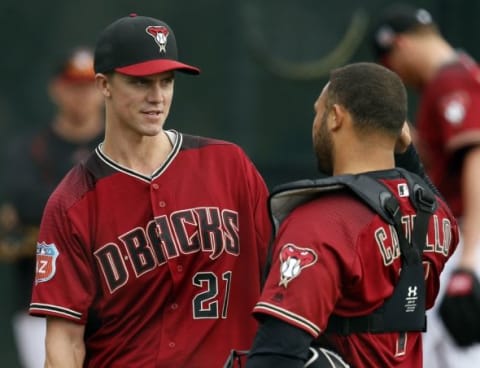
(399, 19)
(375, 97)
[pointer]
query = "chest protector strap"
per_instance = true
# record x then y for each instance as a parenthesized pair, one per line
(404, 310)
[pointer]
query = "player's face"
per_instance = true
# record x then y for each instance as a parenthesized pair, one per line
(394, 60)
(322, 139)
(139, 104)
(402, 60)
(66, 95)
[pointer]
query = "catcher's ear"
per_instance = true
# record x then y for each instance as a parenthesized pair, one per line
(101, 80)
(338, 116)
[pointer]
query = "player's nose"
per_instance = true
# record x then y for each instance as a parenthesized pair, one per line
(156, 93)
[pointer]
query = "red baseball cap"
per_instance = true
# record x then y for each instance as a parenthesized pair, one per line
(138, 46)
(76, 66)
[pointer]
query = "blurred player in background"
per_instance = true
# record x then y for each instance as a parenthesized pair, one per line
(407, 40)
(34, 165)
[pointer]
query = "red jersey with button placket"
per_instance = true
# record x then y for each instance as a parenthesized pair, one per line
(164, 270)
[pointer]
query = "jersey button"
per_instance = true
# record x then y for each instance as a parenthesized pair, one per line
(171, 344)
(162, 204)
(180, 268)
(174, 306)
(155, 186)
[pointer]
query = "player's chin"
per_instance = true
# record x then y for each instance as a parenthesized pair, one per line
(153, 125)
(151, 130)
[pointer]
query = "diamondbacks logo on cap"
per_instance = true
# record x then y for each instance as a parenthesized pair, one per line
(423, 16)
(293, 260)
(46, 262)
(160, 35)
(385, 37)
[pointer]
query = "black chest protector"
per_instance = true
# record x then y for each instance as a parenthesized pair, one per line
(404, 310)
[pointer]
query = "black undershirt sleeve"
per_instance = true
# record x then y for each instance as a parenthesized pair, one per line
(409, 160)
(280, 345)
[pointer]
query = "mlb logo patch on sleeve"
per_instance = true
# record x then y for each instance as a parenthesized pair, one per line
(403, 190)
(46, 259)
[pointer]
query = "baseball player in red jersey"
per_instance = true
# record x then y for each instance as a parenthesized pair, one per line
(334, 257)
(150, 252)
(408, 41)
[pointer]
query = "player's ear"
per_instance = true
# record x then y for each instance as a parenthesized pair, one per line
(339, 113)
(102, 83)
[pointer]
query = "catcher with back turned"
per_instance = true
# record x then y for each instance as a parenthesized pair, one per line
(357, 256)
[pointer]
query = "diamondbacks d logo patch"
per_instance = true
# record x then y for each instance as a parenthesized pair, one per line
(160, 35)
(293, 260)
(46, 259)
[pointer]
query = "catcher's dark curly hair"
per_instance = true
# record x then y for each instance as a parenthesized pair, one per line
(375, 97)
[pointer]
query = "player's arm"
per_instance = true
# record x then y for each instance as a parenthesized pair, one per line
(461, 303)
(406, 157)
(64, 344)
(471, 202)
(280, 345)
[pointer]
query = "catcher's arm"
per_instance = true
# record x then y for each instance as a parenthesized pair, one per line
(281, 345)
(406, 156)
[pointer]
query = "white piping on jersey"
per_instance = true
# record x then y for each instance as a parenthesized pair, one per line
(175, 138)
(40, 307)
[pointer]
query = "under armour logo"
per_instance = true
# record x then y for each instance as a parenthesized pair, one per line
(412, 291)
(411, 299)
